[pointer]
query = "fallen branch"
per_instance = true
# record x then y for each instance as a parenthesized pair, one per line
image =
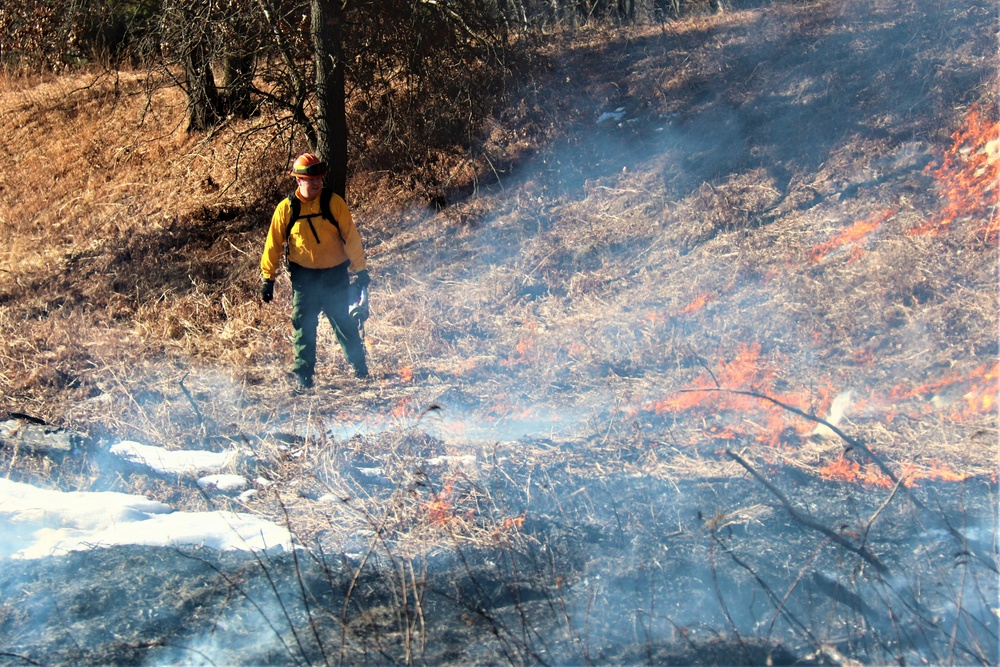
(201, 419)
(852, 442)
(859, 444)
(808, 521)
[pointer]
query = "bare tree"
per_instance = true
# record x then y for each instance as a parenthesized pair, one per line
(331, 97)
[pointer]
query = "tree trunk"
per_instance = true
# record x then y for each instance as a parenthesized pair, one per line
(238, 70)
(331, 103)
(202, 94)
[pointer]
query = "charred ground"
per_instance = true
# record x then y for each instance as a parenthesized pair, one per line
(797, 201)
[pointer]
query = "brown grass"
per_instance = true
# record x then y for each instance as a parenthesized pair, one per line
(613, 269)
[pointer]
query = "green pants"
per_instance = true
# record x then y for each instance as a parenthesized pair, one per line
(326, 291)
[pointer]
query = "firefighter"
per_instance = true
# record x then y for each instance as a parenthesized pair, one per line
(323, 246)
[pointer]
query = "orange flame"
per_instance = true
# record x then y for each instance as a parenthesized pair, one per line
(513, 523)
(745, 372)
(440, 508)
(983, 386)
(402, 409)
(937, 471)
(740, 372)
(525, 348)
(700, 302)
(465, 366)
(843, 470)
(406, 374)
(853, 234)
(967, 177)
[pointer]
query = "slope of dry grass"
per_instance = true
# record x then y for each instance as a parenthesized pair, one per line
(747, 225)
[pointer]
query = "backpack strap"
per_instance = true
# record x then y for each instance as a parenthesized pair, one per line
(295, 214)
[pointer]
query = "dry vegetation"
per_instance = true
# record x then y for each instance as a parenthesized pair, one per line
(747, 224)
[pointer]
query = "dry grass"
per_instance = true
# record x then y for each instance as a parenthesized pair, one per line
(619, 267)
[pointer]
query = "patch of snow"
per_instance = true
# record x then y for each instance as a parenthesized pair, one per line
(615, 115)
(223, 482)
(36, 522)
(189, 463)
(469, 460)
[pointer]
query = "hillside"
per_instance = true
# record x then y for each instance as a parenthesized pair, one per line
(837, 221)
(710, 228)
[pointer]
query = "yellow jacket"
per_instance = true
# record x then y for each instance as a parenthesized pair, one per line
(303, 247)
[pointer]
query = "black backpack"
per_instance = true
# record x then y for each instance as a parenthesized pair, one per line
(295, 207)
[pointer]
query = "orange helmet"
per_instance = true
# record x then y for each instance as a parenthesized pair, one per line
(308, 165)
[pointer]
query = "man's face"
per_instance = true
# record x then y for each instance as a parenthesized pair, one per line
(309, 187)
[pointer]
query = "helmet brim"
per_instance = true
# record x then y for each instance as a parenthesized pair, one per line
(317, 170)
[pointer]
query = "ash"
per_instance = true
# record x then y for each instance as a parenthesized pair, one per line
(618, 570)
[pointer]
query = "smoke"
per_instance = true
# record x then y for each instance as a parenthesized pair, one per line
(639, 255)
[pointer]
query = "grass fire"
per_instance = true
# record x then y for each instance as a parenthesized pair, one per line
(682, 340)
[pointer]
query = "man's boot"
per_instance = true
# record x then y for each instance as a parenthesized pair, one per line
(303, 383)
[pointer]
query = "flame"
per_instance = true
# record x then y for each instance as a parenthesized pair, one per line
(745, 372)
(503, 409)
(842, 470)
(440, 509)
(937, 471)
(981, 395)
(513, 523)
(465, 366)
(967, 178)
(402, 409)
(700, 302)
(979, 398)
(406, 374)
(853, 234)
(864, 357)
(525, 349)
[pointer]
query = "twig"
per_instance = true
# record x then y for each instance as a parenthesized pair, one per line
(302, 589)
(701, 362)
(788, 594)
(235, 585)
(722, 599)
(868, 526)
(201, 419)
(853, 442)
(808, 521)
(20, 657)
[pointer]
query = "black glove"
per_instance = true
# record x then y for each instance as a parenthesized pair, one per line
(362, 280)
(266, 291)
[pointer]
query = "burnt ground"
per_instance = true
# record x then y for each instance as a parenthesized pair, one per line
(616, 570)
(624, 266)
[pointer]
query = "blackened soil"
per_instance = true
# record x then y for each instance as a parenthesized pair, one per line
(622, 571)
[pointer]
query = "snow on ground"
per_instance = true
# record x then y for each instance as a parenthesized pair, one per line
(37, 522)
(173, 462)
